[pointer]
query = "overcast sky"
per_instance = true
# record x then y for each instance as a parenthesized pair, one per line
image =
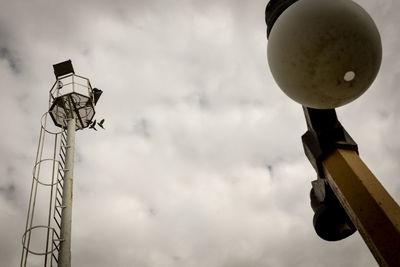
(201, 163)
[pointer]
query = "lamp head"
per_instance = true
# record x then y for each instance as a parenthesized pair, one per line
(323, 53)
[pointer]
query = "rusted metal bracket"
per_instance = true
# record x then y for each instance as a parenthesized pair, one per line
(343, 179)
(325, 133)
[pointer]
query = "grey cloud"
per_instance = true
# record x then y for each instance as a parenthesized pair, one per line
(141, 127)
(8, 191)
(270, 169)
(6, 54)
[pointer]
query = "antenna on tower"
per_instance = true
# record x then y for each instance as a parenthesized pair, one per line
(47, 236)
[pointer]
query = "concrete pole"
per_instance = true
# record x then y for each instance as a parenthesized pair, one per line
(64, 256)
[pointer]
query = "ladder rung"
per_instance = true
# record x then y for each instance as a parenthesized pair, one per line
(54, 256)
(58, 201)
(59, 214)
(59, 192)
(55, 244)
(58, 224)
(57, 234)
(63, 141)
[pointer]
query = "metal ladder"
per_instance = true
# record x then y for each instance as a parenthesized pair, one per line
(56, 240)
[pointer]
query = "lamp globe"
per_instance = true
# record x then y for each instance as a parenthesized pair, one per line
(324, 53)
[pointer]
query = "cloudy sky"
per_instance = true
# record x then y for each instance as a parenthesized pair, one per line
(201, 163)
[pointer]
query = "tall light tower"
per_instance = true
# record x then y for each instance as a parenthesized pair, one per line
(47, 237)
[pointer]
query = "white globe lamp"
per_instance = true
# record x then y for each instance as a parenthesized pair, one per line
(324, 53)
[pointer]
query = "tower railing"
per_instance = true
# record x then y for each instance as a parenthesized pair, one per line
(72, 93)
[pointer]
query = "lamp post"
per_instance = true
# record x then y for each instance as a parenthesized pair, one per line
(325, 54)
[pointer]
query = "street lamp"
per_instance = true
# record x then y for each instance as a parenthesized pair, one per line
(324, 54)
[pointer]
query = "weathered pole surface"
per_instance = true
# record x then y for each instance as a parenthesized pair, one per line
(370, 207)
(64, 257)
